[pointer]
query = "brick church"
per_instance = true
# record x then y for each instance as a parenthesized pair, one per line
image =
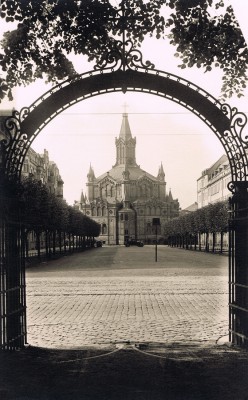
(126, 200)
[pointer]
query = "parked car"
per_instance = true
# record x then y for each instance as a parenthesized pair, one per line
(133, 242)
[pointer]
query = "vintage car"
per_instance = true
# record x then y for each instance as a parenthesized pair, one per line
(133, 242)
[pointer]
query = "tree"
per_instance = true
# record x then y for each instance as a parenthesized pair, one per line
(48, 31)
(209, 219)
(210, 41)
(42, 211)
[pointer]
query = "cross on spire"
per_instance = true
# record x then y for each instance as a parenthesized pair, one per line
(125, 106)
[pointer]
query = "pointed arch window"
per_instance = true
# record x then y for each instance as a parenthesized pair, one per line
(148, 228)
(104, 229)
(104, 211)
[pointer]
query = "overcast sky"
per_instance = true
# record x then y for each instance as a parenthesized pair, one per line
(165, 132)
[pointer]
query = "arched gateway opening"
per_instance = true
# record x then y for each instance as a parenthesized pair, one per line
(127, 74)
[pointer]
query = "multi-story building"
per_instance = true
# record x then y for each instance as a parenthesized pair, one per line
(37, 165)
(42, 169)
(211, 188)
(212, 185)
(127, 201)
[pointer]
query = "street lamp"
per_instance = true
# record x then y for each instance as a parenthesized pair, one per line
(156, 223)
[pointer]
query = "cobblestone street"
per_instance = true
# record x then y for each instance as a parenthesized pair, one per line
(118, 294)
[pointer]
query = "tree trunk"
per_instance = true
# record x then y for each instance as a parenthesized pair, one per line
(221, 242)
(26, 244)
(54, 242)
(60, 242)
(207, 242)
(199, 241)
(64, 239)
(38, 243)
(47, 243)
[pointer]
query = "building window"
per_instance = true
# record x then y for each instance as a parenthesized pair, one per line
(25, 167)
(126, 217)
(104, 229)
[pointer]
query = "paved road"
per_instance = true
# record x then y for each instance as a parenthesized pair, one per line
(118, 294)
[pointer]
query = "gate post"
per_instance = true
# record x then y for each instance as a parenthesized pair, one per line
(238, 265)
(12, 268)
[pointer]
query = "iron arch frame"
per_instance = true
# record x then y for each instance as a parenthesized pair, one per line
(226, 122)
(24, 126)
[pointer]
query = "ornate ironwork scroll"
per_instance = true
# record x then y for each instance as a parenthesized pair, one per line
(124, 54)
(235, 141)
(227, 123)
(15, 144)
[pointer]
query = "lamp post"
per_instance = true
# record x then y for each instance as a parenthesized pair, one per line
(156, 223)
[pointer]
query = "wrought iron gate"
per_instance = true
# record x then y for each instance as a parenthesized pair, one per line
(238, 265)
(13, 332)
(123, 70)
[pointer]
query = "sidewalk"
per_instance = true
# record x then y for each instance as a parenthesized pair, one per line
(124, 371)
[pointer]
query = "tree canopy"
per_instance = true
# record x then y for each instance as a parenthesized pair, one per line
(47, 32)
(42, 211)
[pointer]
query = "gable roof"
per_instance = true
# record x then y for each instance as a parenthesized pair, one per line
(135, 172)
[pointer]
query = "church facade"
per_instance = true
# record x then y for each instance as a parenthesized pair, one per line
(128, 202)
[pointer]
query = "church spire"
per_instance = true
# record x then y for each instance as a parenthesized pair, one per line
(161, 174)
(125, 144)
(125, 132)
(170, 196)
(91, 174)
(82, 198)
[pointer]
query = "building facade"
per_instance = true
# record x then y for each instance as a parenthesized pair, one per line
(126, 200)
(212, 185)
(37, 166)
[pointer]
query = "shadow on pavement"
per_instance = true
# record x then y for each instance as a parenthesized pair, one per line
(126, 371)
